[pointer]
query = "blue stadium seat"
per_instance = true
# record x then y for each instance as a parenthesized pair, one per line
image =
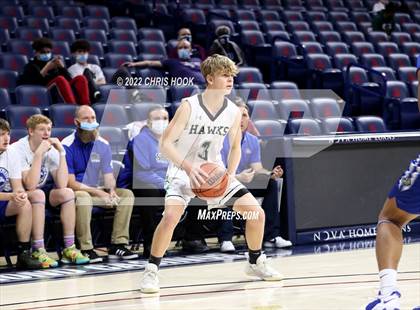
(151, 34)
(293, 108)
(122, 47)
(241, 15)
(319, 26)
(152, 47)
(4, 99)
(341, 61)
(262, 110)
(62, 115)
(113, 94)
(28, 34)
(361, 48)
(361, 17)
(14, 62)
(72, 11)
(13, 11)
(42, 11)
(115, 136)
(249, 25)
(9, 23)
(387, 48)
(388, 72)
(273, 25)
(254, 91)
(370, 124)
(267, 15)
(20, 47)
(329, 36)
(61, 133)
(312, 48)
(32, 95)
(407, 74)
(339, 16)
(61, 48)
(124, 35)
(68, 23)
(270, 128)
(337, 125)
(353, 36)
(96, 23)
(4, 37)
(289, 15)
(249, 74)
(316, 16)
(38, 23)
(98, 35)
(97, 11)
(324, 75)
(8, 79)
(124, 23)
(116, 60)
(397, 61)
(301, 37)
(284, 90)
(325, 107)
(411, 28)
(62, 34)
(111, 115)
(304, 127)
(400, 37)
(17, 133)
(18, 115)
(373, 60)
(96, 48)
(177, 93)
(377, 36)
(346, 27)
(412, 49)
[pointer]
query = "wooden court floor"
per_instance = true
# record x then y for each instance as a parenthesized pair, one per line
(338, 280)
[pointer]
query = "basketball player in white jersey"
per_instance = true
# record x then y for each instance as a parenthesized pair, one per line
(194, 136)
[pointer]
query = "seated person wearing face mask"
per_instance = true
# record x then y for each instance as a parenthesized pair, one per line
(222, 45)
(89, 157)
(145, 171)
(196, 50)
(183, 67)
(49, 71)
(80, 50)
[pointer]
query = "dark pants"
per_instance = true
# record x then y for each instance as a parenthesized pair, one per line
(93, 88)
(270, 205)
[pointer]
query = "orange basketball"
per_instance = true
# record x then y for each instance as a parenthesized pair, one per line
(215, 185)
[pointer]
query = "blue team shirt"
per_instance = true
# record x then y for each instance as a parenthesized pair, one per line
(87, 160)
(184, 69)
(250, 148)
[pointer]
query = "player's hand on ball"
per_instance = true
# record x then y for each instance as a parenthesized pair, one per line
(197, 176)
(277, 172)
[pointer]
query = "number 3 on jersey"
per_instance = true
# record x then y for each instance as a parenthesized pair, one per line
(204, 150)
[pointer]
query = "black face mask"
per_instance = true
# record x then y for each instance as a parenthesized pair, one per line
(224, 39)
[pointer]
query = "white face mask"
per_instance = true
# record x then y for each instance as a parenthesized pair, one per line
(159, 126)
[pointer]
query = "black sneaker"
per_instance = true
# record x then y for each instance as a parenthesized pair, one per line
(194, 246)
(26, 261)
(120, 251)
(93, 256)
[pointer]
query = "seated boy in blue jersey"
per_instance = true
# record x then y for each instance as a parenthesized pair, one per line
(14, 200)
(43, 162)
(401, 207)
(249, 167)
(88, 155)
(144, 171)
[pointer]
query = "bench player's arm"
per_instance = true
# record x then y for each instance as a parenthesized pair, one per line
(235, 136)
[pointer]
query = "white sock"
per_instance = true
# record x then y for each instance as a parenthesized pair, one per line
(388, 278)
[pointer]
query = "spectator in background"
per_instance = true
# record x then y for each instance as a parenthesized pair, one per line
(93, 73)
(197, 51)
(222, 45)
(43, 163)
(145, 171)
(184, 67)
(379, 6)
(14, 200)
(384, 18)
(88, 155)
(49, 71)
(249, 169)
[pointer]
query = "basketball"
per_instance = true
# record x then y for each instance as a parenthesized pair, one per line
(216, 183)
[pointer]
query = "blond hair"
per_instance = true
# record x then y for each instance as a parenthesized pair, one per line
(37, 119)
(218, 64)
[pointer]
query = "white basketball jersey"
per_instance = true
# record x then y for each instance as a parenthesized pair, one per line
(202, 139)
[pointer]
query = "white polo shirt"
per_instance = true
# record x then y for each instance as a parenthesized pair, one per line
(9, 169)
